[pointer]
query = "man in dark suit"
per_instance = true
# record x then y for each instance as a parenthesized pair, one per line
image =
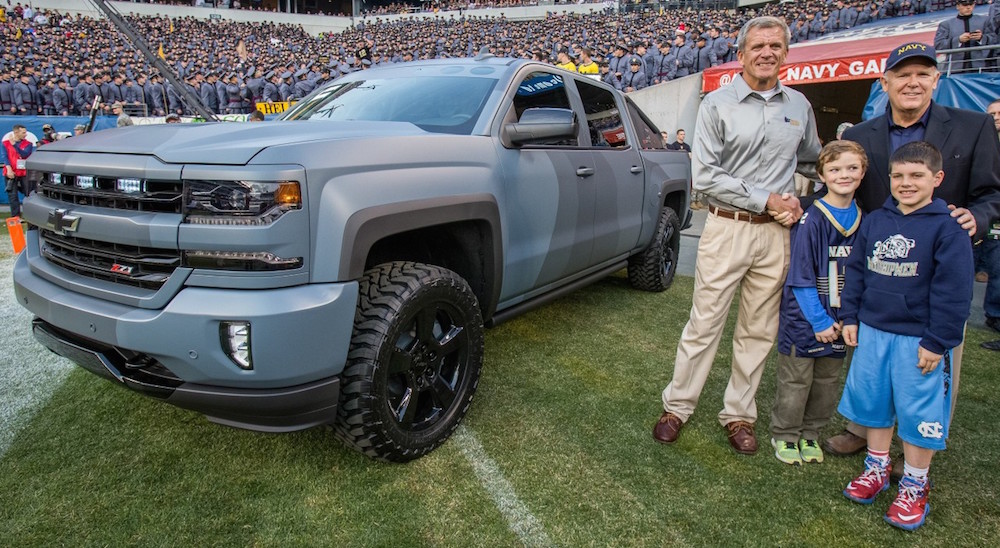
(967, 141)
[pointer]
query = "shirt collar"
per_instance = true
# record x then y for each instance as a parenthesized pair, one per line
(921, 122)
(743, 89)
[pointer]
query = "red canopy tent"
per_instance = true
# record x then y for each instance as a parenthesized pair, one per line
(826, 61)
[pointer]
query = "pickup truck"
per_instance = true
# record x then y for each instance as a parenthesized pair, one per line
(338, 266)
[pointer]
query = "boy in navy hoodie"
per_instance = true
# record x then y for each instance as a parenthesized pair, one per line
(905, 308)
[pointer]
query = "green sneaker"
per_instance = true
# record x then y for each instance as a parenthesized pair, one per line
(810, 451)
(786, 451)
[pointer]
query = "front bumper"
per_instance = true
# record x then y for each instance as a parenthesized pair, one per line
(301, 336)
(268, 410)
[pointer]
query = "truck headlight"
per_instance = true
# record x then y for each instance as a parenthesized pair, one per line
(235, 339)
(249, 203)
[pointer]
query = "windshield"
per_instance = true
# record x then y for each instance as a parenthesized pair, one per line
(439, 104)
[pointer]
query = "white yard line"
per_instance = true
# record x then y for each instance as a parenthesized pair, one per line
(29, 373)
(519, 518)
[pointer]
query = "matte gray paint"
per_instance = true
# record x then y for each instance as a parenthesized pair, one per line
(559, 217)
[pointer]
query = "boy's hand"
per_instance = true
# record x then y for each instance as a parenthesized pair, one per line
(829, 334)
(851, 335)
(927, 360)
(965, 218)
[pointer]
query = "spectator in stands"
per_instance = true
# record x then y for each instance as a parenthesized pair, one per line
(665, 68)
(685, 56)
(964, 31)
(6, 93)
(634, 79)
(704, 55)
(564, 62)
(62, 102)
(587, 64)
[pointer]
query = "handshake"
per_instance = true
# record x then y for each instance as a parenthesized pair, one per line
(785, 208)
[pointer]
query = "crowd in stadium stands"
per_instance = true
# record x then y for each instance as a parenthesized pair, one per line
(55, 64)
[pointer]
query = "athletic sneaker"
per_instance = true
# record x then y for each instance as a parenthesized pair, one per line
(786, 451)
(910, 508)
(810, 451)
(870, 483)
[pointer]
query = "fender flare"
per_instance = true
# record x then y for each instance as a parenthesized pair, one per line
(367, 226)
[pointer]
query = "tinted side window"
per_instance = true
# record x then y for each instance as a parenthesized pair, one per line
(649, 137)
(603, 118)
(543, 89)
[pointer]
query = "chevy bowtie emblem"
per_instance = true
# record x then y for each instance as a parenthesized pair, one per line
(61, 221)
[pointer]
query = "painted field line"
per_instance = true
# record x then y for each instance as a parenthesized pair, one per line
(519, 518)
(29, 373)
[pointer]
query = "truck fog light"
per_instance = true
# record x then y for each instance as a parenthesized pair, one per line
(235, 337)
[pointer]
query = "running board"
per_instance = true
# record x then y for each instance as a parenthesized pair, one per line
(546, 298)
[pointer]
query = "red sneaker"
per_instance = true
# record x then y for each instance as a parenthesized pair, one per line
(870, 483)
(910, 508)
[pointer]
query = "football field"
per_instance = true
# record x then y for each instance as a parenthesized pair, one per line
(556, 451)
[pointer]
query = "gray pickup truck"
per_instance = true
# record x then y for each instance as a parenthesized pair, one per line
(338, 266)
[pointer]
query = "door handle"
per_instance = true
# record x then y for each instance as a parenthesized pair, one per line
(584, 171)
(636, 169)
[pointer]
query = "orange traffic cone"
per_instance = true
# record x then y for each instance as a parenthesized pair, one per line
(16, 233)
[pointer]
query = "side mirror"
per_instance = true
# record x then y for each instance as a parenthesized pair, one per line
(542, 124)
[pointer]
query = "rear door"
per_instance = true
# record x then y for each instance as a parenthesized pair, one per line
(618, 180)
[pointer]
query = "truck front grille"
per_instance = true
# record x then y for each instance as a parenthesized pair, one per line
(144, 267)
(114, 193)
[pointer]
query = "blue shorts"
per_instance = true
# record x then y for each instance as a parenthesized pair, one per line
(884, 385)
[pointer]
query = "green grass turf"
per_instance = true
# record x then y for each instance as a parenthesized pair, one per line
(565, 408)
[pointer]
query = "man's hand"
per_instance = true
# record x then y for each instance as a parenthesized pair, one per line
(851, 335)
(829, 334)
(965, 219)
(785, 208)
(927, 360)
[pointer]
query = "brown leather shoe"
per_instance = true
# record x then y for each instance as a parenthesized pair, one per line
(845, 444)
(667, 428)
(741, 437)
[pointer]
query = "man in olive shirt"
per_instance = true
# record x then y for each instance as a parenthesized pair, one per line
(750, 137)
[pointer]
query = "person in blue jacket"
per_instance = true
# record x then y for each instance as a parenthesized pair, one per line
(909, 293)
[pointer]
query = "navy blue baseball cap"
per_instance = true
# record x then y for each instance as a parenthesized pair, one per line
(911, 50)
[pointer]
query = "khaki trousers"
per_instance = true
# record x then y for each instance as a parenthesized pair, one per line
(731, 254)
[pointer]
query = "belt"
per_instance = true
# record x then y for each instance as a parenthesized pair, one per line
(746, 216)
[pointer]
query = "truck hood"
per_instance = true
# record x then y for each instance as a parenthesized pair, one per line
(224, 143)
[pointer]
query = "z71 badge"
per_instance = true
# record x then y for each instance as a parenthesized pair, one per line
(122, 269)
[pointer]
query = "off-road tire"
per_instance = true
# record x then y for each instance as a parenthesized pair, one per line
(654, 268)
(414, 362)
